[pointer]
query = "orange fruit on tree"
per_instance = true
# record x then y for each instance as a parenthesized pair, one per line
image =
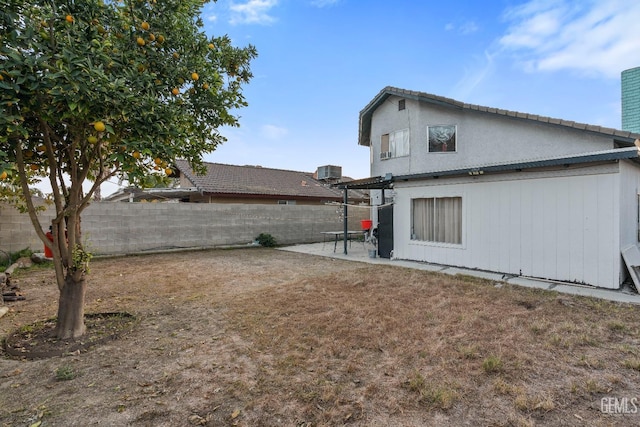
(1, 78)
(140, 41)
(195, 76)
(160, 39)
(205, 86)
(156, 167)
(34, 167)
(92, 139)
(99, 126)
(41, 148)
(136, 154)
(212, 46)
(157, 161)
(69, 19)
(151, 37)
(145, 26)
(168, 171)
(175, 91)
(3, 175)
(176, 55)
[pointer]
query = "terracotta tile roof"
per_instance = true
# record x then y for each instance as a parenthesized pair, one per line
(364, 131)
(234, 180)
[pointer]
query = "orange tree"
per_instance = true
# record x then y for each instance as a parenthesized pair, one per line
(92, 89)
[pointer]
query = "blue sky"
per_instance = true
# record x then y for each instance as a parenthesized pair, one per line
(321, 61)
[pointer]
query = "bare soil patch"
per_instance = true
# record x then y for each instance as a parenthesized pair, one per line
(261, 337)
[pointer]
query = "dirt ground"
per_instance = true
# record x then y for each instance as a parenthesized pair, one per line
(261, 337)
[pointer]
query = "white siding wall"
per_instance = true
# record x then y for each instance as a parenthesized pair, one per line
(630, 186)
(554, 227)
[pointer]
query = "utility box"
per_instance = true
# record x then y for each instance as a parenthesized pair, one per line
(329, 172)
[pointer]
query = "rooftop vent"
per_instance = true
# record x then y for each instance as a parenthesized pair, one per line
(329, 172)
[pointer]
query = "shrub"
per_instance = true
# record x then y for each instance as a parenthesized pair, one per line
(266, 240)
(492, 364)
(65, 373)
(24, 253)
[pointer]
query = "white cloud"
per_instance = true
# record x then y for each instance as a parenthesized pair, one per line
(252, 12)
(474, 76)
(273, 132)
(591, 37)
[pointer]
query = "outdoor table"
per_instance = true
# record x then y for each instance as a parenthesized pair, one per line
(336, 234)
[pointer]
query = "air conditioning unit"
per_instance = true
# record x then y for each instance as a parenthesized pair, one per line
(385, 155)
(329, 172)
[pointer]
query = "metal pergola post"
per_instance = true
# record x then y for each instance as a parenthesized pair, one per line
(346, 218)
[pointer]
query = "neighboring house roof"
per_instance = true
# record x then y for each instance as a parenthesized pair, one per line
(231, 180)
(149, 194)
(364, 130)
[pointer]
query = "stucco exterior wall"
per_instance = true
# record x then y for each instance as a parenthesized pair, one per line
(482, 138)
(124, 228)
(560, 226)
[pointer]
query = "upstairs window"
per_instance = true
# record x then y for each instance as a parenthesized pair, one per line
(437, 219)
(401, 105)
(394, 144)
(442, 139)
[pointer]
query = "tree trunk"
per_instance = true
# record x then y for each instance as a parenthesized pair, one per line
(71, 308)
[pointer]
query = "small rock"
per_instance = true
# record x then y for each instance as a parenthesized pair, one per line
(24, 262)
(38, 258)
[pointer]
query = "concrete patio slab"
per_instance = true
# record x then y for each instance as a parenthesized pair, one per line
(358, 252)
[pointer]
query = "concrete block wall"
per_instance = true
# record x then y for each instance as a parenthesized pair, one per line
(16, 230)
(125, 228)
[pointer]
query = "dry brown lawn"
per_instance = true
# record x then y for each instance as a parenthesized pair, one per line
(261, 337)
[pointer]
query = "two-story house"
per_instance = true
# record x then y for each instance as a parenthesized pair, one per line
(500, 191)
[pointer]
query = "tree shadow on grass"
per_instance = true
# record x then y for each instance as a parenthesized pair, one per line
(38, 340)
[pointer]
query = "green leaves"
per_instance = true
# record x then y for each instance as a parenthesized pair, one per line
(60, 74)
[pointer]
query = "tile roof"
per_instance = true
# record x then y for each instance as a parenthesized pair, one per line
(235, 180)
(364, 130)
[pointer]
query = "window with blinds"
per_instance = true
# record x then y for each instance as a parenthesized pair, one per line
(437, 219)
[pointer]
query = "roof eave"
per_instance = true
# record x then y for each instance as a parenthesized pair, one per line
(603, 156)
(364, 129)
(379, 182)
